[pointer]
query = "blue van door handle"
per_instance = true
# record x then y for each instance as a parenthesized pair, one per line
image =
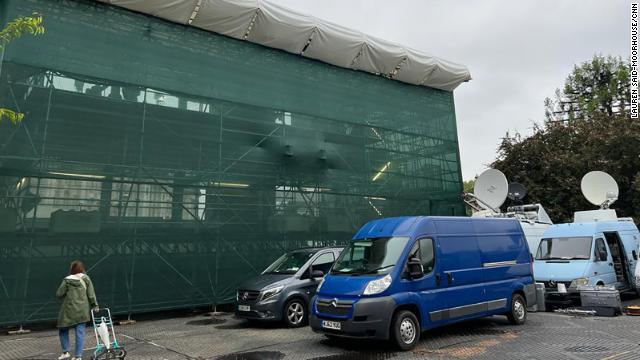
(450, 277)
(438, 279)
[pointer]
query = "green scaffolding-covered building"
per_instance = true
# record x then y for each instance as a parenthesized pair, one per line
(178, 147)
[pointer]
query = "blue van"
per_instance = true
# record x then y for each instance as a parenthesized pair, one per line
(598, 249)
(399, 276)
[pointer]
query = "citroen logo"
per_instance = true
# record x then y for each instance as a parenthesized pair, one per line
(334, 302)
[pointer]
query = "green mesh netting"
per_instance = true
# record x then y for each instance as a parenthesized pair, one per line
(176, 163)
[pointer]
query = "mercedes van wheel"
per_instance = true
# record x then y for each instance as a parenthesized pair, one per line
(405, 331)
(518, 313)
(295, 313)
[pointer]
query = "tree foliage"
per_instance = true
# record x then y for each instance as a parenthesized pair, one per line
(468, 188)
(552, 161)
(15, 29)
(468, 185)
(14, 117)
(596, 87)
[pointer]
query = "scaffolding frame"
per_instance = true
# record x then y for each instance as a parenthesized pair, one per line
(172, 199)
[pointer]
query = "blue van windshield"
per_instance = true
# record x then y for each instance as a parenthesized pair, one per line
(565, 248)
(370, 256)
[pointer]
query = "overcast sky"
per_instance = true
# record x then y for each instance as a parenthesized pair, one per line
(518, 52)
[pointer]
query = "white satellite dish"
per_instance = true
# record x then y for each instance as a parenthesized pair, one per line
(491, 189)
(599, 188)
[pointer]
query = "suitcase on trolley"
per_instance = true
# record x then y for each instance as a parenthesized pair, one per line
(107, 346)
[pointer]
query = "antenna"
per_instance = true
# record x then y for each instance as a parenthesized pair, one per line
(599, 188)
(517, 191)
(491, 189)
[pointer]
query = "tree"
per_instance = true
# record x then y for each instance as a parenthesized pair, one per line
(15, 29)
(467, 187)
(552, 161)
(596, 87)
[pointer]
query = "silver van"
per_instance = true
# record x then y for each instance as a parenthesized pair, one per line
(284, 290)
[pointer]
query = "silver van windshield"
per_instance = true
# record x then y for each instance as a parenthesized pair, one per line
(565, 248)
(289, 263)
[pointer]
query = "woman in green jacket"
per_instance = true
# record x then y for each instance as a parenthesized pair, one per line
(78, 298)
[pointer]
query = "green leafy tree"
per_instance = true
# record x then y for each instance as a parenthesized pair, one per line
(15, 29)
(552, 161)
(599, 86)
(467, 187)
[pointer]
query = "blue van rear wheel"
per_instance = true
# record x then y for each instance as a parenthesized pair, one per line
(405, 330)
(518, 313)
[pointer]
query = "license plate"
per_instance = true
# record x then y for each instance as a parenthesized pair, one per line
(333, 325)
(244, 308)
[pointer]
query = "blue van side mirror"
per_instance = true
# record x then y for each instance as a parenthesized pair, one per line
(415, 268)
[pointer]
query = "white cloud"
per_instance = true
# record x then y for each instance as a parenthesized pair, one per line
(518, 52)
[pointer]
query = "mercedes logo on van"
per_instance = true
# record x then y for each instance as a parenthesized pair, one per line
(334, 302)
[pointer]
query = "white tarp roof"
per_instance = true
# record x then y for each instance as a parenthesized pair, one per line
(271, 25)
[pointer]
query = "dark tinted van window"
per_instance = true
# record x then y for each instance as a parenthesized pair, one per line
(601, 250)
(426, 255)
(423, 250)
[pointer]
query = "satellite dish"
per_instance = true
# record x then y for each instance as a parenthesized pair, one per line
(517, 191)
(599, 188)
(491, 188)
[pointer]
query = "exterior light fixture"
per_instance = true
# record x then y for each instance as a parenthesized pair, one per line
(231, 185)
(384, 168)
(21, 183)
(84, 176)
(375, 198)
(375, 208)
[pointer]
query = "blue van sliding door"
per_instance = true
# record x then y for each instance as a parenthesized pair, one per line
(460, 267)
(505, 259)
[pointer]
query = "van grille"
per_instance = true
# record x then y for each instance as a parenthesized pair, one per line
(553, 285)
(248, 295)
(334, 306)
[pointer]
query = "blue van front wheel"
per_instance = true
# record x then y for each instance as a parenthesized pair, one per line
(518, 313)
(406, 330)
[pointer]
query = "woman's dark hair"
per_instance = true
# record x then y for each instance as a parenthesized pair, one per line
(77, 267)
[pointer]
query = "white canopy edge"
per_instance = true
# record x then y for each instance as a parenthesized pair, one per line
(272, 25)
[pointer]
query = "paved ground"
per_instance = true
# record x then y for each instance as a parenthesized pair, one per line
(545, 336)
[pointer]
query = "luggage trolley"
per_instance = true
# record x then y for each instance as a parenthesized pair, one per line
(107, 346)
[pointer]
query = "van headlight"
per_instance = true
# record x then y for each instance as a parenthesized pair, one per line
(271, 293)
(377, 286)
(579, 282)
